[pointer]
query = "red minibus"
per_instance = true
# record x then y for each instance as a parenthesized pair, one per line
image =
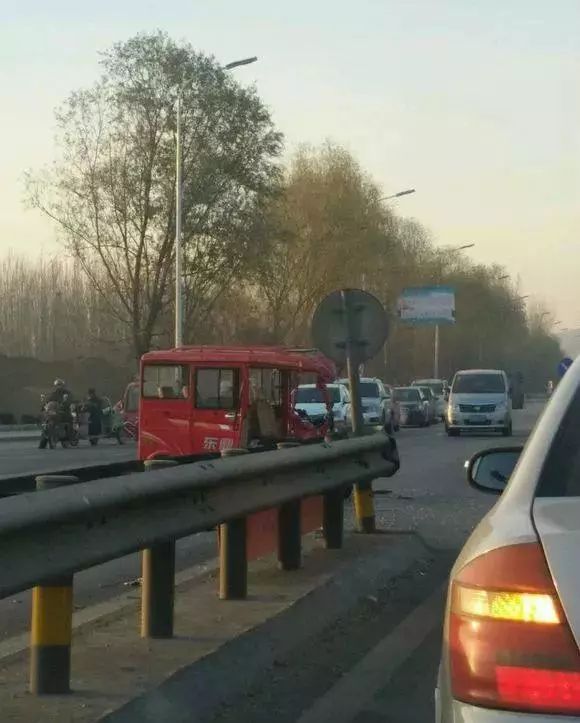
(203, 400)
(206, 399)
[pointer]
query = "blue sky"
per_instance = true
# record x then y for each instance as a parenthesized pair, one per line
(474, 103)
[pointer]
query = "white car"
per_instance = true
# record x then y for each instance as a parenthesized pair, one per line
(437, 386)
(479, 401)
(512, 623)
(311, 400)
(377, 405)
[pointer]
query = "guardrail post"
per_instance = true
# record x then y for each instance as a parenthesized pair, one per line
(289, 528)
(233, 551)
(289, 535)
(158, 585)
(51, 629)
(364, 507)
(333, 518)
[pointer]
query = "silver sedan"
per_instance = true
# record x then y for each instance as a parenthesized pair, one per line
(512, 623)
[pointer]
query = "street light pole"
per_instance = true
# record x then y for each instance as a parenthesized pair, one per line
(178, 245)
(436, 352)
(178, 209)
(455, 250)
(406, 192)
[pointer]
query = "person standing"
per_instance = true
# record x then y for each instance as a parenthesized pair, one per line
(94, 407)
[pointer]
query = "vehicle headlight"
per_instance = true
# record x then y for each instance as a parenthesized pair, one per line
(501, 407)
(454, 408)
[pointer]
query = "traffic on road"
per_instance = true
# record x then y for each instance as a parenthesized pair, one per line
(429, 497)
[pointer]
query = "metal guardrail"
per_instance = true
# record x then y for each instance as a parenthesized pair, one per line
(47, 536)
(21, 483)
(61, 531)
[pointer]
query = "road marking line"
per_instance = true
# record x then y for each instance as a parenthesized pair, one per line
(358, 686)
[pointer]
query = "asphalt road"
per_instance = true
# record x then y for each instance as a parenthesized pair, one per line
(428, 495)
(24, 457)
(379, 664)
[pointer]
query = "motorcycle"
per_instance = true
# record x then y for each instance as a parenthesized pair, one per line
(58, 426)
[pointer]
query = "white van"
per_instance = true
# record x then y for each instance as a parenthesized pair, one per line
(480, 401)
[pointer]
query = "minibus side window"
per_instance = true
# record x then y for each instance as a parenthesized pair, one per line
(165, 381)
(216, 388)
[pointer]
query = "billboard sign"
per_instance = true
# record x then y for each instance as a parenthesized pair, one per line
(427, 305)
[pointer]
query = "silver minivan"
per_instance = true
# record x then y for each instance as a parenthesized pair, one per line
(479, 401)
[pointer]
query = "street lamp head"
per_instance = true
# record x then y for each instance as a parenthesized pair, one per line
(397, 195)
(237, 63)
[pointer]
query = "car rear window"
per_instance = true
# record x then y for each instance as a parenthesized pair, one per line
(369, 389)
(407, 395)
(561, 472)
(314, 395)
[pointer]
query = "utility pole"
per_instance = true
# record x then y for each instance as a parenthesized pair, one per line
(178, 209)
(436, 353)
(178, 246)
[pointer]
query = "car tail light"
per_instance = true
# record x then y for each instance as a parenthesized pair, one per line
(509, 642)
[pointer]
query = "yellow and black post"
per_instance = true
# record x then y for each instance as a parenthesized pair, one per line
(289, 528)
(51, 628)
(233, 552)
(158, 583)
(364, 507)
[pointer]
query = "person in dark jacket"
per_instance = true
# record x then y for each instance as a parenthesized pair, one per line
(94, 407)
(63, 398)
(60, 394)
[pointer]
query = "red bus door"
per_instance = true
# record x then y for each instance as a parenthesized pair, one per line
(216, 408)
(165, 411)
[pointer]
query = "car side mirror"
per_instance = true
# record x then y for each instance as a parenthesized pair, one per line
(491, 469)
